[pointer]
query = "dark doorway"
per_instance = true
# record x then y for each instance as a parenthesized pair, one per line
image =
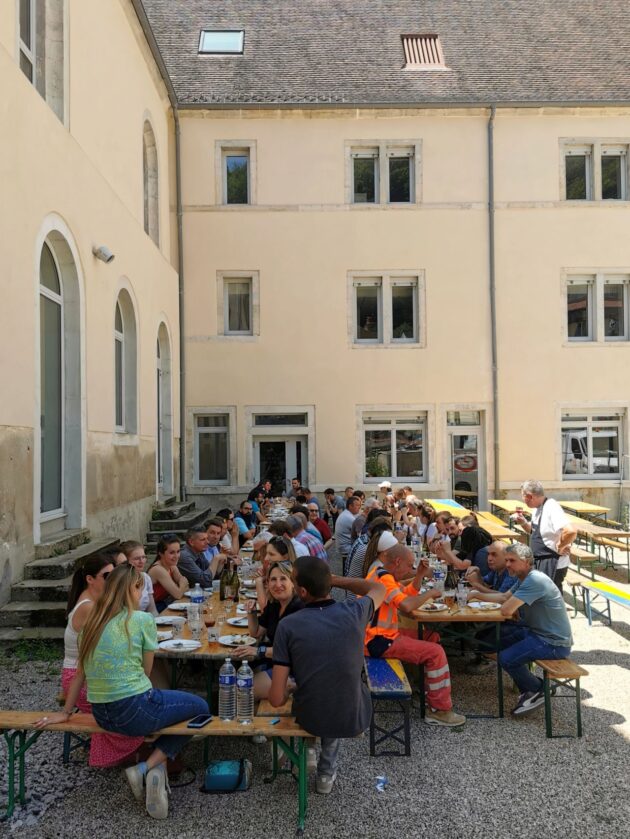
(273, 465)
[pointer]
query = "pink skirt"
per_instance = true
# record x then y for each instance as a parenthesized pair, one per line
(105, 749)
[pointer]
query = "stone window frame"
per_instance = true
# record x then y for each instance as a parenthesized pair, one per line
(384, 148)
(223, 276)
(386, 279)
(213, 410)
(594, 148)
(221, 149)
(598, 279)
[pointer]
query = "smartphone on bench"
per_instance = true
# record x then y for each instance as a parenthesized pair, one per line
(200, 721)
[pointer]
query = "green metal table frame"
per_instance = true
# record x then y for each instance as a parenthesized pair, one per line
(549, 690)
(447, 630)
(19, 742)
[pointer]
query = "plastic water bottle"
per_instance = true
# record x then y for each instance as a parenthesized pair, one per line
(197, 595)
(245, 694)
(227, 691)
(439, 577)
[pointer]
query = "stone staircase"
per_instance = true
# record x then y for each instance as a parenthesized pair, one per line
(176, 517)
(37, 608)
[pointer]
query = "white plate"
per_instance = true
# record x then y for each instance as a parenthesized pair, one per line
(161, 620)
(434, 607)
(249, 594)
(241, 610)
(164, 636)
(249, 583)
(182, 644)
(237, 621)
(484, 607)
(237, 640)
(178, 607)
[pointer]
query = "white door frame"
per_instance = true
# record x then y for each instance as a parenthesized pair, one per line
(290, 441)
(462, 431)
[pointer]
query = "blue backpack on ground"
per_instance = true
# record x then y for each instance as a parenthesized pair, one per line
(227, 776)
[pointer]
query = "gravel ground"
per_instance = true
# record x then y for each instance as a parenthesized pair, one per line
(493, 778)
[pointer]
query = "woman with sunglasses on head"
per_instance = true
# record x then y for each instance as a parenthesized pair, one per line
(135, 555)
(168, 583)
(282, 601)
(115, 658)
(88, 584)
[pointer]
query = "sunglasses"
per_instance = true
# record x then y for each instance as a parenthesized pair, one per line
(105, 574)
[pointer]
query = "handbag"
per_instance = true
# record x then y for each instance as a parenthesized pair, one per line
(227, 776)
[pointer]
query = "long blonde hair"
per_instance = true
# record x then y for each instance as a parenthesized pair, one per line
(117, 597)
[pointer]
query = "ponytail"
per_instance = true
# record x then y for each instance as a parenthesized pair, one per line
(89, 567)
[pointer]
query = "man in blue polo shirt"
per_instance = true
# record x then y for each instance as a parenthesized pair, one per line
(542, 632)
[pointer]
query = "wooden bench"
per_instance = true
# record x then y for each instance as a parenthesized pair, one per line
(610, 546)
(19, 732)
(388, 682)
(561, 672)
(592, 591)
(583, 557)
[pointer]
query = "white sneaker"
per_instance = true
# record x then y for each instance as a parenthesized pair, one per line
(136, 782)
(324, 783)
(157, 792)
(259, 739)
(311, 759)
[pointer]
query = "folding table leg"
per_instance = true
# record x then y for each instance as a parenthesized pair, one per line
(548, 721)
(497, 635)
(578, 707)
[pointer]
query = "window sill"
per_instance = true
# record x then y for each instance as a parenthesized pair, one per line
(624, 342)
(407, 345)
(125, 438)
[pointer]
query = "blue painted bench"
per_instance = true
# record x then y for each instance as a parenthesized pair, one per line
(387, 682)
(610, 594)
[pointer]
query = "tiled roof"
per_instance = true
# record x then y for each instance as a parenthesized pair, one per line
(350, 51)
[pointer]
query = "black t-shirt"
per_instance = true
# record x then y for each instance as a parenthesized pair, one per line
(473, 539)
(323, 646)
(270, 615)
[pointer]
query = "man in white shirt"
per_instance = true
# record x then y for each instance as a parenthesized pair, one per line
(343, 528)
(552, 534)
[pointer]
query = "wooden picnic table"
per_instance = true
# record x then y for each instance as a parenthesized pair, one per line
(509, 505)
(458, 624)
(584, 509)
(499, 531)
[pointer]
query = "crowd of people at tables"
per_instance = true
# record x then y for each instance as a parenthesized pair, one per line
(111, 636)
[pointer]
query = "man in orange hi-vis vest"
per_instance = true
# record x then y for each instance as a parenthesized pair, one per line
(384, 638)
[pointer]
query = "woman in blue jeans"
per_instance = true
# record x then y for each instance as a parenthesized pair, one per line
(115, 658)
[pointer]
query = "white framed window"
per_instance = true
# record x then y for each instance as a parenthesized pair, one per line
(383, 172)
(595, 170)
(212, 449)
(386, 308)
(125, 365)
(597, 307)
(238, 303)
(235, 172)
(394, 446)
(592, 444)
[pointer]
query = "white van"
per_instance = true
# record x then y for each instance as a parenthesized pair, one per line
(575, 453)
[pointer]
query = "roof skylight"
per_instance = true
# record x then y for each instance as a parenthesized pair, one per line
(221, 42)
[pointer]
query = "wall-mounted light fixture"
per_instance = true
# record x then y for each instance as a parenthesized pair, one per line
(103, 253)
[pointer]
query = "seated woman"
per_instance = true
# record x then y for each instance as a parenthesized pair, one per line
(168, 583)
(88, 583)
(135, 555)
(282, 601)
(115, 658)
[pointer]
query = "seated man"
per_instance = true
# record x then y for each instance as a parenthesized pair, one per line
(302, 509)
(360, 521)
(297, 527)
(331, 699)
(192, 563)
(215, 530)
(260, 505)
(384, 639)
(246, 522)
(543, 632)
(474, 543)
(295, 488)
(229, 536)
(310, 498)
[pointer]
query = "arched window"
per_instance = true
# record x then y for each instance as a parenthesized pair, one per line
(151, 184)
(41, 40)
(51, 383)
(125, 366)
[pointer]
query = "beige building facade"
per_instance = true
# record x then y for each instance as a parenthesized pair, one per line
(313, 258)
(86, 151)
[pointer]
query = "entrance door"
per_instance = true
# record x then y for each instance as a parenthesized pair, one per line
(278, 460)
(466, 467)
(52, 387)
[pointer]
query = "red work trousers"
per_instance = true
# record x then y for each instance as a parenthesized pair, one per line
(437, 675)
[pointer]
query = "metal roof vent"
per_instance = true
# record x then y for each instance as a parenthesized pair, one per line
(423, 52)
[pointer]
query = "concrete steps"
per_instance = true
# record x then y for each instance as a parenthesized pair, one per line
(189, 517)
(167, 512)
(59, 567)
(38, 603)
(33, 613)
